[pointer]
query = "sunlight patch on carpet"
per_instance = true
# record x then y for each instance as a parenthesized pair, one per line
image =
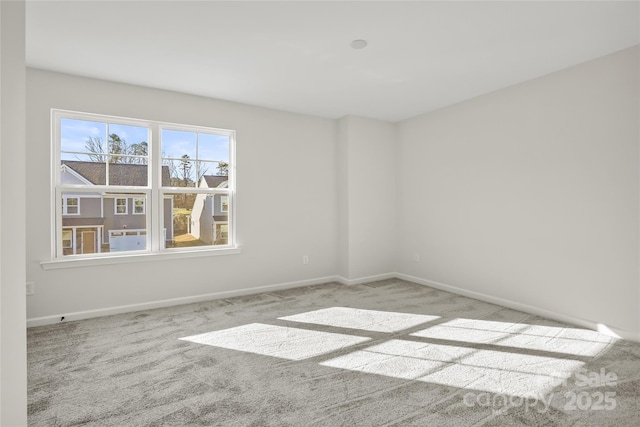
(510, 373)
(571, 341)
(357, 318)
(277, 341)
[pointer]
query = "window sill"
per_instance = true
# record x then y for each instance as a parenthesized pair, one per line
(132, 258)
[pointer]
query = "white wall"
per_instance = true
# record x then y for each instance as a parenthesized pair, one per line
(531, 193)
(286, 198)
(367, 197)
(13, 346)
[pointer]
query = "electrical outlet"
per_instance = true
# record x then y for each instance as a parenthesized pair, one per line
(31, 288)
(416, 257)
(305, 259)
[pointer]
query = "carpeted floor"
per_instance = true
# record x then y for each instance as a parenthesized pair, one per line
(382, 353)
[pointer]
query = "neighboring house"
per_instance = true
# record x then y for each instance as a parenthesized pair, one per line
(210, 214)
(99, 222)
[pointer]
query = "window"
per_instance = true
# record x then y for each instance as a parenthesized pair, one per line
(138, 206)
(198, 162)
(70, 206)
(121, 206)
(222, 233)
(67, 239)
(144, 186)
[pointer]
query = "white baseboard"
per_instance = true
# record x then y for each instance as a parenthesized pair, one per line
(359, 280)
(605, 329)
(88, 314)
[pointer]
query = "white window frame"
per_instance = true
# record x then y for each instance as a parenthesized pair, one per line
(153, 193)
(144, 206)
(116, 206)
(65, 205)
(227, 190)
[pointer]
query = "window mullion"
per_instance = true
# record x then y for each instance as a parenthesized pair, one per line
(106, 156)
(58, 225)
(155, 234)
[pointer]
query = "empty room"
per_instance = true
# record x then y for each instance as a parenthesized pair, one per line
(456, 238)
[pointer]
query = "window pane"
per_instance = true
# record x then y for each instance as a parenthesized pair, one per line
(222, 168)
(213, 147)
(183, 173)
(188, 157)
(138, 206)
(222, 234)
(124, 231)
(214, 181)
(129, 171)
(83, 172)
(210, 174)
(83, 146)
(70, 206)
(121, 205)
(81, 229)
(127, 240)
(67, 239)
(176, 144)
(87, 146)
(128, 140)
(196, 220)
(98, 228)
(83, 136)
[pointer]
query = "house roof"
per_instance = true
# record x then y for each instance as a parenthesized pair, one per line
(214, 181)
(119, 173)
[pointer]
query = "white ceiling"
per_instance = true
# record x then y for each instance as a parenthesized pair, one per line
(296, 56)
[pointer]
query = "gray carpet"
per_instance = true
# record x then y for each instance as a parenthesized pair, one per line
(382, 353)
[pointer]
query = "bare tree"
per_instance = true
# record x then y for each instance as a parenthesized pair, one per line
(118, 150)
(201, 170)
(95, 146)
(173, 169)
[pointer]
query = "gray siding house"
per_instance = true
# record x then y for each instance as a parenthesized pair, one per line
(99, 222)
(210, 214)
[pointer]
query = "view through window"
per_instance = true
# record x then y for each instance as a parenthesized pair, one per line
(126, 185)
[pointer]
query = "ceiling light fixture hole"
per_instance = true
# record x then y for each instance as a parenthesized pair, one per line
(359, 44)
